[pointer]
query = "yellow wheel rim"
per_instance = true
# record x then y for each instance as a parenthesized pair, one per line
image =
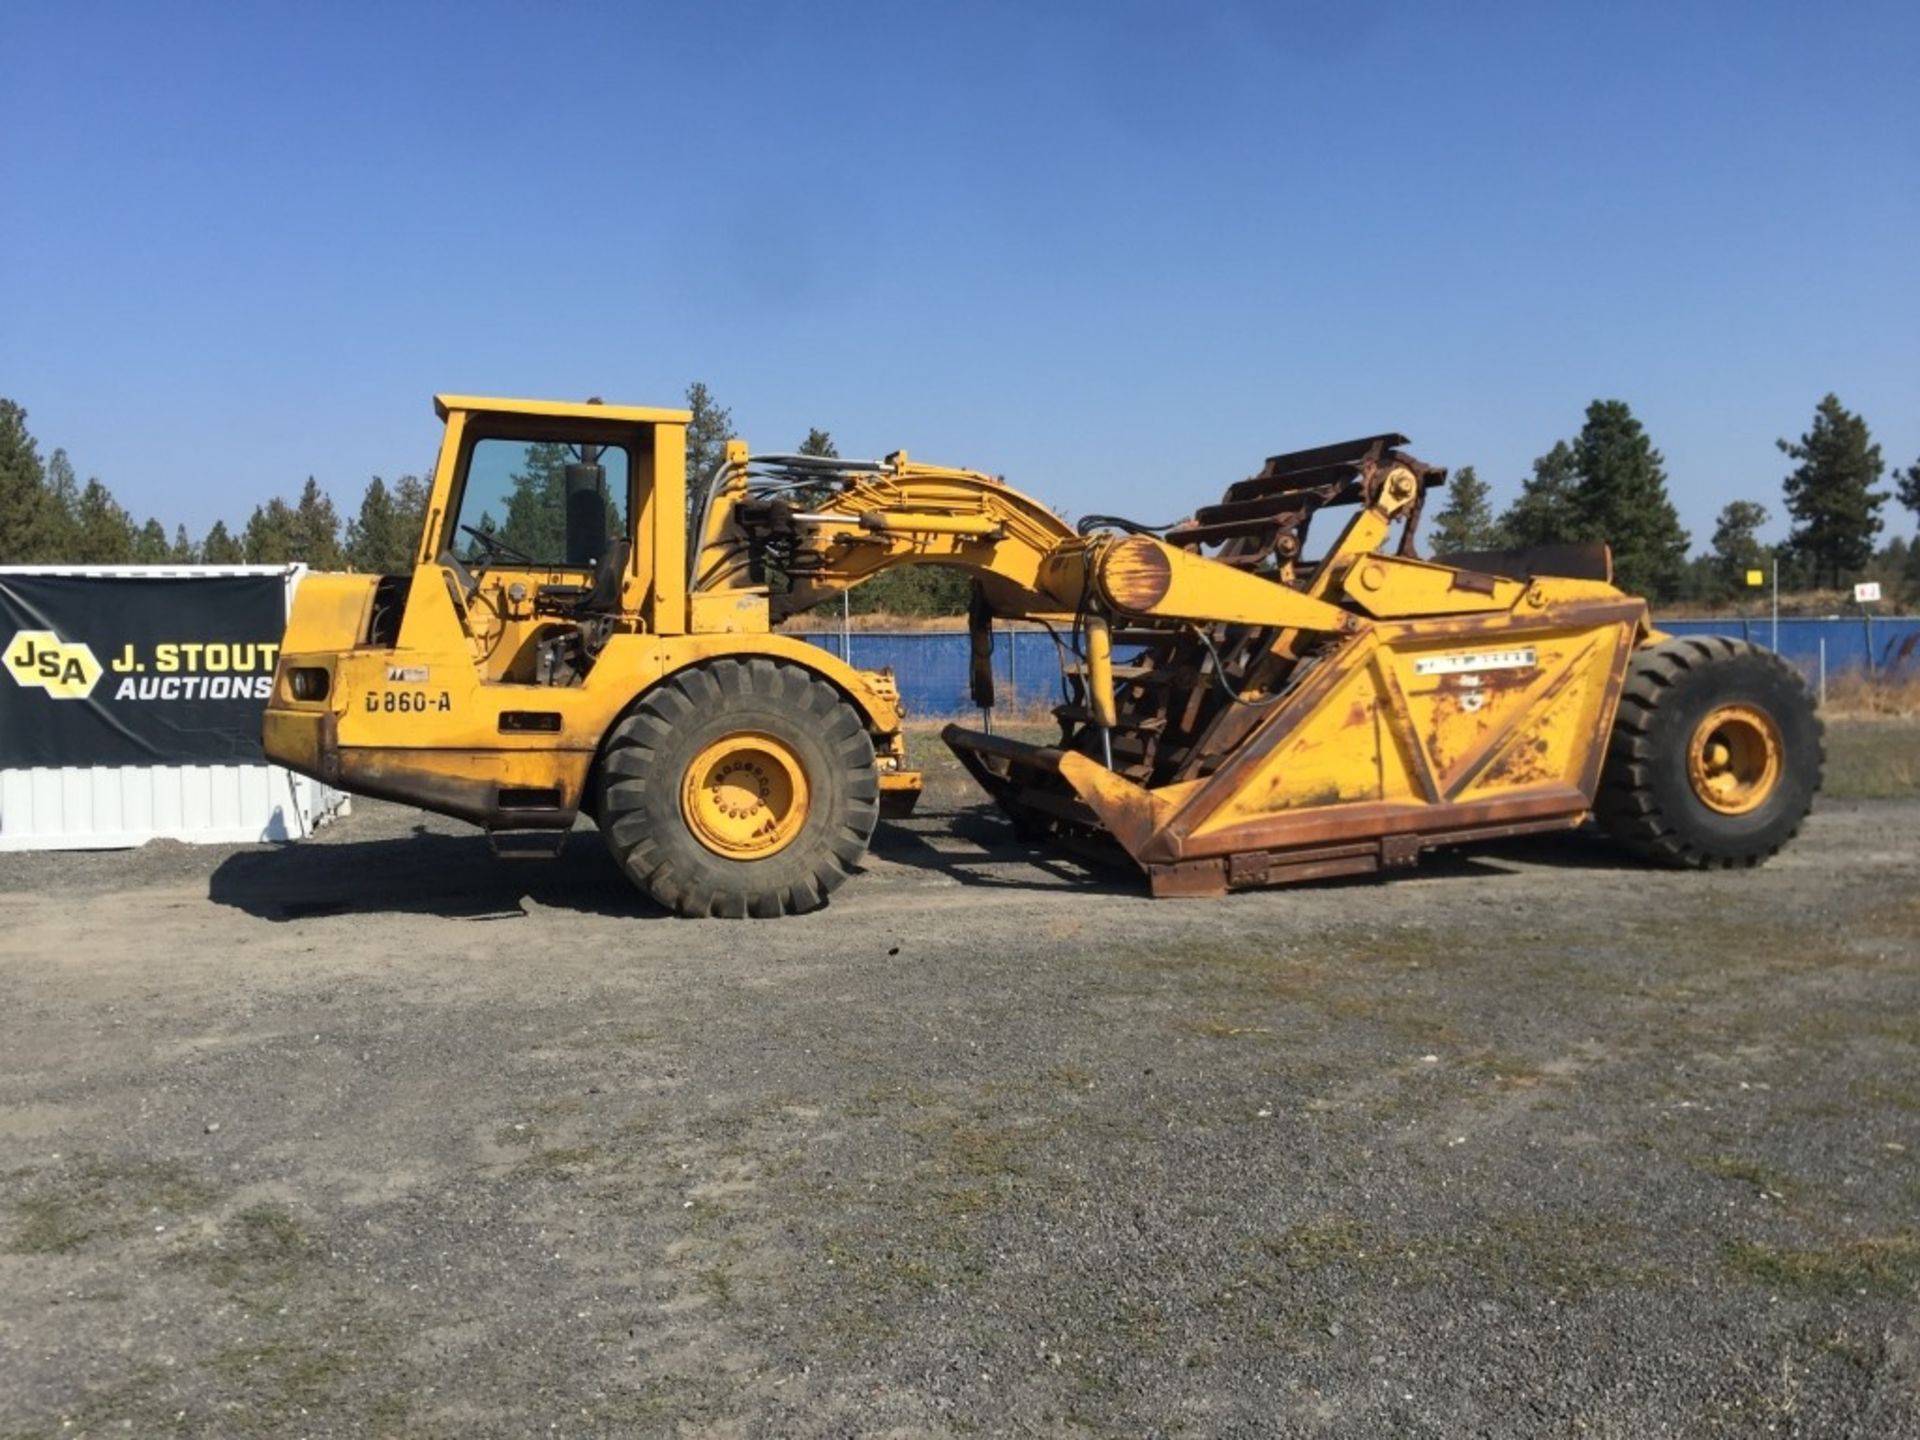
(1735, 759)
(745, 796)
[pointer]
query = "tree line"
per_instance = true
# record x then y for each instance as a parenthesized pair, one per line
(1609, 483)
(48, 518)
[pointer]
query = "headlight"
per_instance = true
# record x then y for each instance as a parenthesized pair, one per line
(309, 682)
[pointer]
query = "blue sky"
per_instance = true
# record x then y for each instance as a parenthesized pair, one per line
(1117, 252)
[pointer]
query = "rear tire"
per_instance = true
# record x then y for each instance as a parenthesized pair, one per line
(739, 788)
(1715, 756)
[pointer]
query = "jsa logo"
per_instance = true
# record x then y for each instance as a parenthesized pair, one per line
(42, 658)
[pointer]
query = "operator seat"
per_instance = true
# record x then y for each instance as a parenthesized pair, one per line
(592, 610)
(1587, 560)
(603, 596)
(600, 597)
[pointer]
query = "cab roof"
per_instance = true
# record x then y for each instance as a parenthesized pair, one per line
(560, 410)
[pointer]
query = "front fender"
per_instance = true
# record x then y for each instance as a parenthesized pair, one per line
(330, 612)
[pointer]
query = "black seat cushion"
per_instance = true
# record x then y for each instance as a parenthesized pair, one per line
(1582, 560)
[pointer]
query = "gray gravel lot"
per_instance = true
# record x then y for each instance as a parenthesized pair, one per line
(380, 1135)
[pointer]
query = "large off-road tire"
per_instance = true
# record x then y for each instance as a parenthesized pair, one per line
(739, 788)
(1715, 755)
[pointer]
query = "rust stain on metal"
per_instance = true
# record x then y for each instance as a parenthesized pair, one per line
(1609, 703)
(1188, 878)
(1129, 812)
(1136, 573)
(1300, 828)
(1523, 764)
(1399, 851)
(1473, 582)
(1537, 697)
(1400, 722)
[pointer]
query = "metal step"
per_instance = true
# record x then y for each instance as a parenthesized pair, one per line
(527, 844)
(1134, 674)
(1151, 725)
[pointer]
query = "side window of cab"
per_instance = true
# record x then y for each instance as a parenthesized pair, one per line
(548, 504)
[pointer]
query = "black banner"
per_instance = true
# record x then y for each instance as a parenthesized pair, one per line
(104, 670)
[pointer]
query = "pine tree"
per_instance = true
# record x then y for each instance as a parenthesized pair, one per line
(63, 508)
(1466, 521)
(1831, 493)
(220, 548)
(150, 544)
(103, 532)
(1889, 567)
(1909, 489)
(1736, 546)
(818, 443)
(270, 534)
(707, 436)
(409, 515)
(1620, 496)
(1700, 580)
(376, 544)
(1544, 513)
(26, 522)
(316, 529)
(368, 532)
(536, 522)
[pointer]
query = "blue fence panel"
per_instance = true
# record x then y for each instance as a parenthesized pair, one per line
(1852, 642)
(931, 665)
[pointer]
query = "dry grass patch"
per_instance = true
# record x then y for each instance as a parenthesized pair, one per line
(95, 1196)
(1873, 758)
(1888, 1263)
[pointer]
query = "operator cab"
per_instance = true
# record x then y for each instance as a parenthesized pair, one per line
(535, 516)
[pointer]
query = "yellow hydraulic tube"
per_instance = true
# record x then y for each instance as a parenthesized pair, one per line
(1100, 671)
(1100, 682)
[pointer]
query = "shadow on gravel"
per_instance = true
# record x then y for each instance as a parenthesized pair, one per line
(455, 876)
(996, 843)
(459, 876)
(1107, 871)
(1582, 849)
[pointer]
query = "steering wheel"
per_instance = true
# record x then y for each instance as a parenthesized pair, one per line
(494, 545)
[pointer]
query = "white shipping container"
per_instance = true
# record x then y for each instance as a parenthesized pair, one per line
(106, 807)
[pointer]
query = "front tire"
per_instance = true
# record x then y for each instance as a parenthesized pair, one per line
(1715, 756)
(739, 788)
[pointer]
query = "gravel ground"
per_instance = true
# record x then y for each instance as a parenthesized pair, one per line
(380, 1135)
